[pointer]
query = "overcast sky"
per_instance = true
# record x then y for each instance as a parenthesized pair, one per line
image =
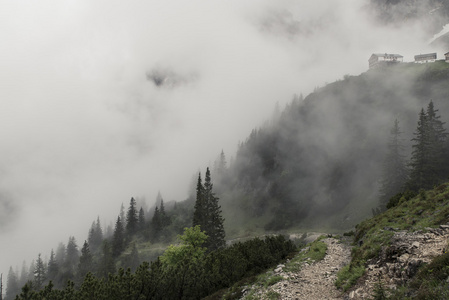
(104, 100)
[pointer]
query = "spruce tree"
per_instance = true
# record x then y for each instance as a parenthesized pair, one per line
(165, 221)
(199, 214)
(85, 264)
(23, 274)
(207, 214)
(132, 218)
(95, 238)
(52, 267)
(12, 287)
(118, 238)
(71, 260)
(394, 171)
(437, 143)
(107, 263)
(214, 228)
(39, 273)
(156, 223)
(427, 159)
(141, 223)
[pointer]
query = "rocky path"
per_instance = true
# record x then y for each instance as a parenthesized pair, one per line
(315, 280)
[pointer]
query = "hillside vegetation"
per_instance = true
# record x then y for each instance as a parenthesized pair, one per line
(416, 214)
(318, 163)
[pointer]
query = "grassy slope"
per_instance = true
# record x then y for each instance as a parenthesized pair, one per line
(427, 209)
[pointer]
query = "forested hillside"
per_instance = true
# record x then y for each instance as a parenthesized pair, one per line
(318, 163)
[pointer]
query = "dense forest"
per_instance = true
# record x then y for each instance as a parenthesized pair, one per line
(339, 154)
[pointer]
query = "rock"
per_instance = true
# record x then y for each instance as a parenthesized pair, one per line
(415, 244)
(444, 227)
(413, 266)
(404, 257)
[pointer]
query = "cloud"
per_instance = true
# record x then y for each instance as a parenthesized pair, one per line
(85, 129)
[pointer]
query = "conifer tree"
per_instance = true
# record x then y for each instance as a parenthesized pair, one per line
(199, 214)
(122, 214)
(23, 274)
(141, 223)
(132, 218)
(156, 223)
(214, 228)
(71, 260)
(95, 238)
(165, 221)
(30, 276)
(394, 171)
(437, 142)
(118, 239)
(12, 287)
(207, 214)
(52, 267)
(39, 273)
(85, 264)
(107, 264)
(428, 151)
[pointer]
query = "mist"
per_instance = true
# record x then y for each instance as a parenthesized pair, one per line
(103, 101)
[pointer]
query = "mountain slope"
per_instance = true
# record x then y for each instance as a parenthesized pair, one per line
(318, 163)
(405, 249)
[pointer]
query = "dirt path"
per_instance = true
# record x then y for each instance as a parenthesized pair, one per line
(316, 280)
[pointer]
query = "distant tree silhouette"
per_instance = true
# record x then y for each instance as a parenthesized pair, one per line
(394, 170)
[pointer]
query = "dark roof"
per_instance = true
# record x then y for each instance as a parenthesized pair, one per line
(387, 55)
(425, 55)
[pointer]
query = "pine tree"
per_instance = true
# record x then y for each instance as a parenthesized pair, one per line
(12, 287)
(122, 213)
(214, 228)
(207, 214)
(427, 159)
(30, 275)
(23, 274)
(132, 218)
(141, 223)
(95, 238)
(164, 219)
(437, 142)
(52, 267)
(107, 264)
(199, 214)
(71, 260)
(39, 273)
(85, 263)
(156, 223)
(118, 239)
(419, 160)
(394, 171)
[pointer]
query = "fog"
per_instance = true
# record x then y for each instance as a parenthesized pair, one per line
(101, 101)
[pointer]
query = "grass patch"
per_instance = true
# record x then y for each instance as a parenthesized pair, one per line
(315, 251)
(348, 276)
(431, 281)
(372, 236)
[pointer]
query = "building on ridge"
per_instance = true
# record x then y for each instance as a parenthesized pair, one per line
(378, 59)
(425, 58)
